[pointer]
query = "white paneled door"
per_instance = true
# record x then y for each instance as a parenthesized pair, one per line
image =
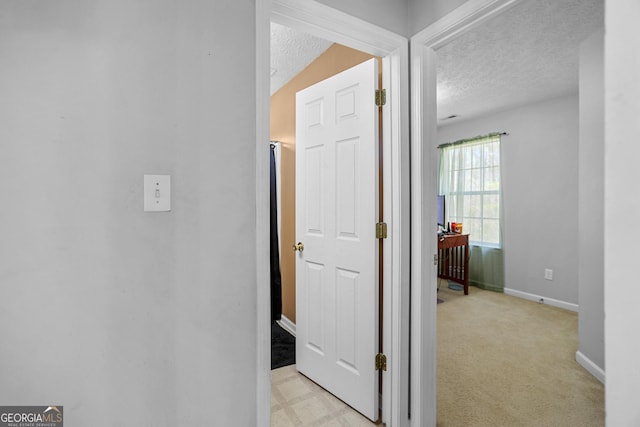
(337, 180)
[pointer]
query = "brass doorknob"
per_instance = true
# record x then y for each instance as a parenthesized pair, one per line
(298, 247)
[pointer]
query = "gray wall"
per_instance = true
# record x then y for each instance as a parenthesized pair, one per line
(622, 207)
(424, 13)
(389, 14)
(540, 193)
(404, 17)
(591, 207)
(125, 317)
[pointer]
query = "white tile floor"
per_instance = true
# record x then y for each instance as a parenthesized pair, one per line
(297, 401)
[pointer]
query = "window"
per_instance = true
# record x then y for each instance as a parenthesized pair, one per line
(470, 180)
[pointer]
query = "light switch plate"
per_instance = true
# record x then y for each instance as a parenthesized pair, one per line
(157, 193)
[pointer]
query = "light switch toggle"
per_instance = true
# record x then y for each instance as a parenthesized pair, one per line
(157, 193)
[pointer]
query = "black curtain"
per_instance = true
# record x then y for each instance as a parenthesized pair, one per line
(276, 280)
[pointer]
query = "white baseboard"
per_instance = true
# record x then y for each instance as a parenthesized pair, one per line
(287, 325)
(591, 367)
(544, 300)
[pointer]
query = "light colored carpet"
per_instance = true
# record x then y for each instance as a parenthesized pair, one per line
(505, 361)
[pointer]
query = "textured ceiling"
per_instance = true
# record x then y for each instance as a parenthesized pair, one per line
(527, 54)
(291, 52)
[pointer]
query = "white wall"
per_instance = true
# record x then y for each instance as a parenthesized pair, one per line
(125, 317)
(591, 201)
(389, 14)
(540, 193)
(622, 212)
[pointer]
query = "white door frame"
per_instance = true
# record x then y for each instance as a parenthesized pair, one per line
(424, 155)
(331, 24)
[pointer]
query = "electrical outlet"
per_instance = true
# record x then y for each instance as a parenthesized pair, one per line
(548, 274)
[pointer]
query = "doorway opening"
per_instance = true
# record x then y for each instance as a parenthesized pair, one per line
(425, 49)
(328, 23)
(337, 65)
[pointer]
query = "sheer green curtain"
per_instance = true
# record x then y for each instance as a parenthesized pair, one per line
(470, 180)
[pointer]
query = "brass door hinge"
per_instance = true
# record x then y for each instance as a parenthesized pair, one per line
(381, 97)
(381, 230)
(381, 362)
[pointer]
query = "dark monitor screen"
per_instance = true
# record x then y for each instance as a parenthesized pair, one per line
(440, 212)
